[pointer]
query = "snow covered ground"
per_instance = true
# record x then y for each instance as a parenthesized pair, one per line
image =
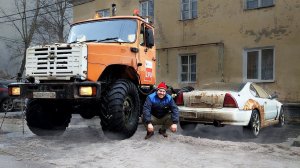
(84, 145)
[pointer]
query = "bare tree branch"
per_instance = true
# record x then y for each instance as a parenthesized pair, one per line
(33, 27)
(16, 27)
(56, 19)
(26, 28)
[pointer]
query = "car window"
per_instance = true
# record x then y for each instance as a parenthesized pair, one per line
(261, 92)
(253, 91)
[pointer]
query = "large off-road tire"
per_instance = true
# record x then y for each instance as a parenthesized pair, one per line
(187, 126)
(281, 118)
(47, 118)
(120, 110)
(7, 105)
(253, 128)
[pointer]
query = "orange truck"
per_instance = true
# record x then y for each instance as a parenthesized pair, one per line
(106, 69)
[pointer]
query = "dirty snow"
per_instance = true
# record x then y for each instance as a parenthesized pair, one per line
(84, 145)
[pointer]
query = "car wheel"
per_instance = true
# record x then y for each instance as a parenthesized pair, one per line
(7, 105)
(253, 129)
(281, 119)
(187, 126)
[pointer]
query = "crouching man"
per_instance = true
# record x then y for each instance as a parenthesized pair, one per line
(160, 109)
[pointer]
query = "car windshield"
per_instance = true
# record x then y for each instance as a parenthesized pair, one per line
(222, 86)
(114, 30)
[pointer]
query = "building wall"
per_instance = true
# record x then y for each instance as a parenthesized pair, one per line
(219, 36)
(88, 10)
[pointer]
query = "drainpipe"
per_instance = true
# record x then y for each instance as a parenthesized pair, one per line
(221, 60)
(167, 64)
(114, 9)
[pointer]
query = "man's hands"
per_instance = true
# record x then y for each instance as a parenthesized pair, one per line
(150, 127)
(173, 127)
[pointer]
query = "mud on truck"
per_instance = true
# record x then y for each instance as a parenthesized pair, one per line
(105, 69)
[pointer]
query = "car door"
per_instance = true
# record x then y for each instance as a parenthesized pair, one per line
(270, 106)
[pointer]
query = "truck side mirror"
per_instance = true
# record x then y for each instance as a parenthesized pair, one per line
(149, 38)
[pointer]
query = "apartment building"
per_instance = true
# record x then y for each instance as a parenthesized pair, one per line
(204, 41)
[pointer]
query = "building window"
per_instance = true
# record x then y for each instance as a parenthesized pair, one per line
(147, 9)
(188, 9)
(104, 13)
(259, 65)
(254, 4)
(188, 68)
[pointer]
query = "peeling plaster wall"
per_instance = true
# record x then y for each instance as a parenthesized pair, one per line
(227, 21)
(168, 65)
(221, 21)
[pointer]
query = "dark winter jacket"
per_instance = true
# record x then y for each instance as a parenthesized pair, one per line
(159, 108)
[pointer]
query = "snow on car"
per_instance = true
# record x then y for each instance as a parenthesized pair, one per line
(241, 104)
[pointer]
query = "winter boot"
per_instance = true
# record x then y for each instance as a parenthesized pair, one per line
(149, 135)
(163, 132)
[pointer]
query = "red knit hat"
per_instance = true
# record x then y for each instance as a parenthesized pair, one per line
(162, 85)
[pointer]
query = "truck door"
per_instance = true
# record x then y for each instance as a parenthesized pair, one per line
(146, 57)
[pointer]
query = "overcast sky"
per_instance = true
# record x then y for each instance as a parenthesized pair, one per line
(7, 33)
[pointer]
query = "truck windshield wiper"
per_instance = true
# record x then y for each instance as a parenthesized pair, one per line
(101, 40)
(108, 39)
(86, 41)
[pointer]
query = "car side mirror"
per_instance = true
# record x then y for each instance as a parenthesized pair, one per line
(149, 38)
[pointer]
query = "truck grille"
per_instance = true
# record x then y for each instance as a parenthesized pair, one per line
(59, 62)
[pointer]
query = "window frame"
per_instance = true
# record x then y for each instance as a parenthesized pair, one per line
(147, 7)
(190, 10)
(259, 5)
(189, 73)
(147, 2)
(245, 64)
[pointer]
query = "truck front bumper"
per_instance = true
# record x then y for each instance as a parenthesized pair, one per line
(54, 90)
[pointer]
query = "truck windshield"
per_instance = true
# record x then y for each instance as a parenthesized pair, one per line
(104, 31)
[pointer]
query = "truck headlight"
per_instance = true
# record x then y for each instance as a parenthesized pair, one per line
(87, 91)
(14, 91)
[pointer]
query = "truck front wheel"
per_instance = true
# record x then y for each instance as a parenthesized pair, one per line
(47, 118)
(120, 110)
